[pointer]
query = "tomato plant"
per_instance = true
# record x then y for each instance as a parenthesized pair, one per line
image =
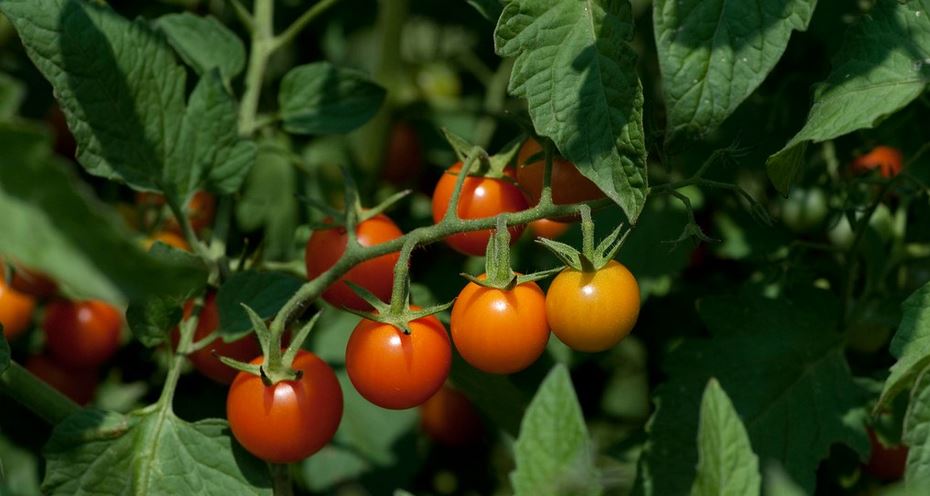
(395, 369)
(449, 417)
(568, 184)
(288, 421)
(886, 159)
(16, 310)
(76, 383)
(82, 333)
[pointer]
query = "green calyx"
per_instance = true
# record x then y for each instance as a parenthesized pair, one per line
(591, 258)
(490, 166)
(354, 212)
(399, 313)
(497, 270)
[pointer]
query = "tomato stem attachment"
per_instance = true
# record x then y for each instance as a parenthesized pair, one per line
(497, 270)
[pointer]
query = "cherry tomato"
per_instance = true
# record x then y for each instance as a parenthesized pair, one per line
(886, 462)
(169, 238)
(201, 209)
(498, 331)
(804, 210)
(886, 159)
(396, 370)
(15, 310)
(450, 418)
(592, 311)
(82, 333)
(404, 158)
(77, 384)
(547, 228)
(33, 283)
(480, 197)
(243, 349)
(290, 420)
(568, 184)
(326, 246)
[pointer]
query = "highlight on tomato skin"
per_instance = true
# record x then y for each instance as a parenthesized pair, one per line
(888, 160)
(480, 197)
(450, 418)
(326, 246)
(290, 420)
(76, 383)
(16, 310)
(82, 334)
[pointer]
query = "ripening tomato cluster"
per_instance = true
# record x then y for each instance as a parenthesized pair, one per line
(150, 215)
(79, 336)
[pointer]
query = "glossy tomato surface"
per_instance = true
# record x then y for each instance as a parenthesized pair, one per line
(481, 197)
(888, 160)
(498, 331)
(450, 418)
(568, 184)
(82, 333)
(592, 311)
(396, 370)
(15, 310)
(326, 246)
(206, 360)
(290, 420)
(77, 384)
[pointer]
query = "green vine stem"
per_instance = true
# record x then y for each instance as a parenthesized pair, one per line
(44, 400)
(262, 48)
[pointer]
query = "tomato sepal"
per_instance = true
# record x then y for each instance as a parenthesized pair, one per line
(497, 271)
(389, 313)
(590, 258)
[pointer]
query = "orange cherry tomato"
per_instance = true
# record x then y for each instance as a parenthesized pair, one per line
(290, 420)
(886, 462)
(15, 310)
(568, 184)
(396, 370)
(450, 418)
(77, 384)
(404, 158)
(547, 228)
(82, 333)
(481, 197)
(169, 238)
(326, 246)
(243, 349)
(886, 159)
(498, 331)
(592, 311)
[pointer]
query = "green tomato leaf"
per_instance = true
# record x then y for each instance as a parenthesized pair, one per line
(553, 452)
(204, 43)
(910, 345)
(152, 318)
(777, 483)
(883, 65)
(20, 469)
(726, 463)
(489, 9)
(94, 452)
(264, 292)
(269, 201)
(917, 435)
(4, 351)
(497, 396)
(713, 55)
(117, 82)
(53, 223)
(321, 98)
(771, 355)
(210, 150)
(576, 68)
(12, 93)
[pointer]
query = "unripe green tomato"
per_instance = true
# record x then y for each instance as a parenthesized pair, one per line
(869, 329)
(842, 234)
(804, 210)
(883, 222)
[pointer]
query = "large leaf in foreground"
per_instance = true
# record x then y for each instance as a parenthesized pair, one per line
(782, 363)
(576, 69)
(94, 452)
(917, 435)
(910, 345)
(321, 98)
(204, 43)
(714, 54)
(882, 67)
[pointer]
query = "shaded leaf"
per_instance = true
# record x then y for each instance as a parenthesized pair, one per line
(204, 43)
(917, 435)
(12, 93)
(321, 98)
(264, 292)
(910, 345)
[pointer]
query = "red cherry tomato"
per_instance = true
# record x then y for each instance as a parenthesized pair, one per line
(396, 370)
(290, 420)
(404, 158)
(450, 418)
(15, 310)
(498, 331)
(243, 349)
(593, 311)
(480, 197)
(886, 159)
(568, 184)
(82, 333)
(326, 246)
(77, 384)
(547, 228)
(886, 462)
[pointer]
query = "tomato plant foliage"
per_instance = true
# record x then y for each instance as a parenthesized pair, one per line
(753, 174)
